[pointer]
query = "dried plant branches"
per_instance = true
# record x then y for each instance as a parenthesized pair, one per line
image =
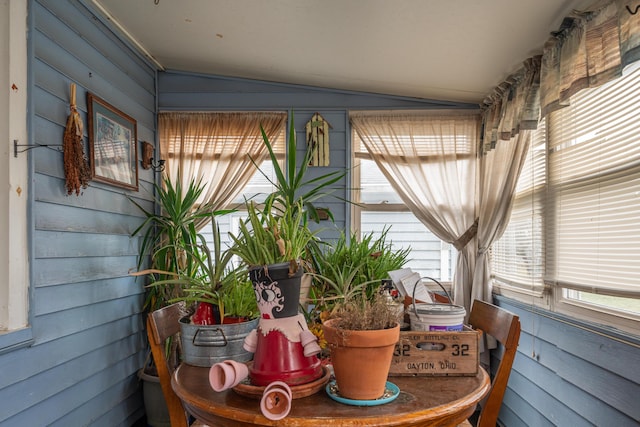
(76, 166)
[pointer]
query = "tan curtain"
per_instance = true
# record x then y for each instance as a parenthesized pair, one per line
(430, 160)
(509, 115)
(590, 48)
(216, 147)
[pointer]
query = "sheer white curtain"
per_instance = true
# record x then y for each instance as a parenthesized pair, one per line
(216, 146)
(429, 157)
(509, 116)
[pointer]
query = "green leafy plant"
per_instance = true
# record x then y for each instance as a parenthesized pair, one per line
(347, 284)
(293, 190)
(215, 280)
(170, 239)
(356, 306)
(370, 259)
(238, 298)
(265, 238)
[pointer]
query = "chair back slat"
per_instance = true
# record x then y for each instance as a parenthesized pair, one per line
(162, 324)
(166, 322)
(505, 328)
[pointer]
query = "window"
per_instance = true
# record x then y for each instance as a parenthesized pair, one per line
(593, 239)
(14, 278)
(258, 187)
(380, 207)
(578, 203)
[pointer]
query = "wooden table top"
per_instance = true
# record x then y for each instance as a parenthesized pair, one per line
(423, 401)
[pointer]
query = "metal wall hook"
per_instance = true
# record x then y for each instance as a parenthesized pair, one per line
(157, 166)
(30, 147)
(147, 158)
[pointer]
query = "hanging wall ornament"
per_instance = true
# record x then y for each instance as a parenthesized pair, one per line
(318, 140)
(76, 165)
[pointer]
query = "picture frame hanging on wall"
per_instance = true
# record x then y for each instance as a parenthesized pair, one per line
(113, 143)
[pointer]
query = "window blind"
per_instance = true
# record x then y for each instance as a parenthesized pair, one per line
(593, 204)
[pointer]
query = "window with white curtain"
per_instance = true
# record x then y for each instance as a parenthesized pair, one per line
(257, 189)
(379, 207)
(580, 206)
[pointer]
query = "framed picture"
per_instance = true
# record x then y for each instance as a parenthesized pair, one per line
(113, 145)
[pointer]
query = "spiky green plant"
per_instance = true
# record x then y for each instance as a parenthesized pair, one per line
(170, 239)
(266, 238)
(293, 190)
(374, 257)
(348, 279)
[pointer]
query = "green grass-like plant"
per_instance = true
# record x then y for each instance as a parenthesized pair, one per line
(292, 188)
(170, 240)
(266, 238)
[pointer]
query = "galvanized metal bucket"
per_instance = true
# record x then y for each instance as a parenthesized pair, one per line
(206, 345)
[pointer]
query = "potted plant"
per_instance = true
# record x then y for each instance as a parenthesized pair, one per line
(168, 237)
(361, 333)
(361, 323)
(221, 299)
(277, 233)
(273, 243)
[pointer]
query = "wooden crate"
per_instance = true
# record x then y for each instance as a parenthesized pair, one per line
(436, 353)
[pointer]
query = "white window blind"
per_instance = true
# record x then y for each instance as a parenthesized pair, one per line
(517, 257)
(594, 190)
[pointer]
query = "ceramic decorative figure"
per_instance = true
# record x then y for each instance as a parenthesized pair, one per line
(281, 345)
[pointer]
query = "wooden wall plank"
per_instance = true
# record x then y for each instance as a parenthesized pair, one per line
(185, 91)
(73, 295)
(63, 48)
(75, 219)
(120, 402)
(81, 21)
(98, 197)
(595, 380)
(27, 363)
(53, 326)
(69, 387)
(58, 244)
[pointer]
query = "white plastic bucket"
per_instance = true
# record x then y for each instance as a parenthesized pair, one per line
(437, 317)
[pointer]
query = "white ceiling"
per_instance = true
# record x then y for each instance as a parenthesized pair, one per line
(456, 50)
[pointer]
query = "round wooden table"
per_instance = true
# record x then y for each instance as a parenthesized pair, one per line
(423, 401)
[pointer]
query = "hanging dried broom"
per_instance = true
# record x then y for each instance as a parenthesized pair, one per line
(76, 166)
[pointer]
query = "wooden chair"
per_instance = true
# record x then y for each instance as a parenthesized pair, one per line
(162, 324)
(505, 328)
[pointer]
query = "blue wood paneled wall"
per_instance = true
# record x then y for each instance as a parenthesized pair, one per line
(85, 309)
(569, 373)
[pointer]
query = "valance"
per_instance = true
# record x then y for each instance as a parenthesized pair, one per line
(590, 49)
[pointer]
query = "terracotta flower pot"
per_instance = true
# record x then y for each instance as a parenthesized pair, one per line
(361, 359)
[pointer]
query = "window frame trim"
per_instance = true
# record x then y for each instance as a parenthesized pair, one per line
(594, 314)
(20, 128)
